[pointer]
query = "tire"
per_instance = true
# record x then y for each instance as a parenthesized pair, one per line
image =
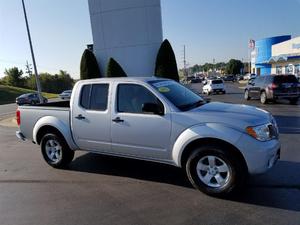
(293, 101)
(263, 97)
(56, 151)
(45, 100)
(223, 92)
(246, 95)
(211, 159)
(32, 102)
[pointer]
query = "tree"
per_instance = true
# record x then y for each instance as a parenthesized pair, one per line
(14, 77)
(88, 66)
(234, 66)
(114, 69)
(166, 65)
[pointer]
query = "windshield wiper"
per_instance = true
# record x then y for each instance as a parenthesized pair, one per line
(191, 105)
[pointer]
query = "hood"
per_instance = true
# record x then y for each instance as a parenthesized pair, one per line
(235, 115)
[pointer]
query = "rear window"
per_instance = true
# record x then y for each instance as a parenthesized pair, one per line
(217, 82)
(94, 97)
(285, 79)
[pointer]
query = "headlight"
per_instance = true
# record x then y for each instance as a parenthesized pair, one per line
(261, 133)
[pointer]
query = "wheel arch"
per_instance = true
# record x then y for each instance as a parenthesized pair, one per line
(212, 141)
(51, 124)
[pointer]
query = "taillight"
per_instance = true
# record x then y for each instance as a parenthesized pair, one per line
(272, 86)
(18, 117)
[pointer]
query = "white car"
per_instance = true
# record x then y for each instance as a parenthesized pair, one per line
(66, 94)
(159, 120)
(214, 86)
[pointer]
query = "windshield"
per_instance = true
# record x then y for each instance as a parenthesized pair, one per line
(182, 97)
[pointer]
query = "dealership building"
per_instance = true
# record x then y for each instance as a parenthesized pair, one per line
(276, 55)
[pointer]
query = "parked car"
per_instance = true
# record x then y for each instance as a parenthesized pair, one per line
(196, 80)
(273, 87)
(159, 120)
(214, 86)
(239, 77)
(249, 76)
(65, 94)
(229, 78)
(30, 98)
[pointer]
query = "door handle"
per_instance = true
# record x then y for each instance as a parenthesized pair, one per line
(80, 117)
(118, 120)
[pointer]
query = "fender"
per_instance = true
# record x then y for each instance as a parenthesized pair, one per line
(59, 125)
(209, 130)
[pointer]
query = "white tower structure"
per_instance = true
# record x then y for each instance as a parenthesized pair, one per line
(130, 31)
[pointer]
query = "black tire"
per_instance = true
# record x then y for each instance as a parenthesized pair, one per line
(246, 95)
(263, 97)
(32, 102)
(236, 176)
(66, 155)
(45, 100)
(294, 101)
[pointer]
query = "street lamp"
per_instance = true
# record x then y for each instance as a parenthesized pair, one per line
(38, 85)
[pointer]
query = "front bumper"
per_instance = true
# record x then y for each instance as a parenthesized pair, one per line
(20, 135)
(259, 156)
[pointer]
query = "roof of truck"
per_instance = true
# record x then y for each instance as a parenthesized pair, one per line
(144, 79)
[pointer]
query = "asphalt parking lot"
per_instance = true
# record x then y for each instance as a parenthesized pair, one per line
(106, 190)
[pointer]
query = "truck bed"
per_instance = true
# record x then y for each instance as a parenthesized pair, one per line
(32, 114)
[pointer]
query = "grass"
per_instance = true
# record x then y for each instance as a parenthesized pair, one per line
(8, 94)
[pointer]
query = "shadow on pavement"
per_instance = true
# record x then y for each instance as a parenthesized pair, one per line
(123, 167)
(288, 124)
(278, 188)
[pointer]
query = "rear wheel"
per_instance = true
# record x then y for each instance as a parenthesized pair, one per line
(215, 171)
(55, 151)
(263, 97)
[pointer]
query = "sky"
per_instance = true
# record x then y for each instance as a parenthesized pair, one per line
(210, 29)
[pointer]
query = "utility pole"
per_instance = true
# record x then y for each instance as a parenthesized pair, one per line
(184, 62)
(38, 85)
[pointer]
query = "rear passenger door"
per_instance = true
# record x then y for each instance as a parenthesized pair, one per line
(91, 118)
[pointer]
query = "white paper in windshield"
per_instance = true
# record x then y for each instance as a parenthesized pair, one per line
(163, 84)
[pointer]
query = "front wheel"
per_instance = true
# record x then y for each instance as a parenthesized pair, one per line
(214, 171)
(246, 95)
(56, 151)
(263, 98)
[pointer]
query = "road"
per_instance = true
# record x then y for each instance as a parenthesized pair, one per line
(10, 109)
(106, 190)
(7, 110)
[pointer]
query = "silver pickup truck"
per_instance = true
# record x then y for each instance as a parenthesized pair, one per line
(159, 120)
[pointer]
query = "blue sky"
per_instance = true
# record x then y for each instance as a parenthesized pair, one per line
(210, 29)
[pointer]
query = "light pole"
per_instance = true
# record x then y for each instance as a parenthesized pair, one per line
(38, 85)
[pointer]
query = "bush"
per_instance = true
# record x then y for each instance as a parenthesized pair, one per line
(114, 69)
(166, 65)
(88, 66)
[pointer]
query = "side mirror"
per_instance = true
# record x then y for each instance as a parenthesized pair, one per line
(152, 108)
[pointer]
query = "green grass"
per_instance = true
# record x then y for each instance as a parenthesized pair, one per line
(8, 94)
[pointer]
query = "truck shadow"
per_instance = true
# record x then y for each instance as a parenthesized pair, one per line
(288, 124)
(278, 188)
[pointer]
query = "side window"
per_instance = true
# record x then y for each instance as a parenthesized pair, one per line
(131, 97)
(85, 96)
(99, 96)
(94, 97)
